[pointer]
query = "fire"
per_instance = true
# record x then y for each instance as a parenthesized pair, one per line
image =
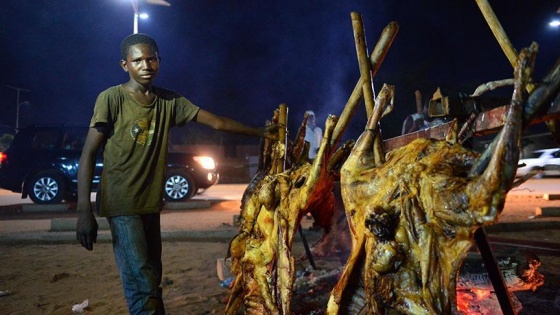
(481, 302)
(475, 302)
(481, 294)
(464, 299)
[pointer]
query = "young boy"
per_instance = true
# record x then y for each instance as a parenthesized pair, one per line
(132, 122)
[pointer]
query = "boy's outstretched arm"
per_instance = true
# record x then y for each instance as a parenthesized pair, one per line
(229, 125)
(86, 228)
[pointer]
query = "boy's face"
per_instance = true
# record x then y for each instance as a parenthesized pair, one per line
(142, 64)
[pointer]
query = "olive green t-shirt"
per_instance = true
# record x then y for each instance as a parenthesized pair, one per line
(135, 153)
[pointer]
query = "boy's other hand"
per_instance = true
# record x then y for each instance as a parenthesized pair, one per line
(272, 131)
(86, 229)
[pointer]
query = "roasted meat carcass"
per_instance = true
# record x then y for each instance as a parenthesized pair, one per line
(412, 213)
(272, 208)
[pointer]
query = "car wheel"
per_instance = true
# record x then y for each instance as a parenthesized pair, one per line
(179, 186)
(46, 188)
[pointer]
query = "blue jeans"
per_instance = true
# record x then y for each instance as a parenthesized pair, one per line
(137, 249)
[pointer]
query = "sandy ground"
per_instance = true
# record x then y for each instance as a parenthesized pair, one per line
(50, 279)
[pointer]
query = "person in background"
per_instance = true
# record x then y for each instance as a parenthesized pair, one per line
(313, 135)
(132, 121)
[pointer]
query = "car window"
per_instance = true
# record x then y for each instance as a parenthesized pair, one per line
(5, 141)
(46, 139)
(556, 154)
(534, 155)
(74, 139)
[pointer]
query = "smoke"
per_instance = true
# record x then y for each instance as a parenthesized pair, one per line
(242, 59)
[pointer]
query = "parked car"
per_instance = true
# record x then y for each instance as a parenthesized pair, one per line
(42, 163)
(547, 158)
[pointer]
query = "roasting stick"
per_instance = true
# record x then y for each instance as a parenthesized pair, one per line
(376, 58)
(281, 167)
(283, 119)
(501, 35)
(543, 97)
(510, 52)
(498, 282)
(512, 56)
(498, 31)
(363, 61)
(306, 246)
(501, 290)
(552, 79)
(282, 138)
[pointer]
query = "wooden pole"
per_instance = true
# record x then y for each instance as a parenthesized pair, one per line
(498, 31)
(376, 58)
(281, 167)
(480, 236)
(511, 54)
(363, 61)
(494, 273)
(419, 105)
(500, 34)
(282, 138)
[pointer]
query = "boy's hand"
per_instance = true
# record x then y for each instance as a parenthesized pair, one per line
(271, 131)
(86, 229)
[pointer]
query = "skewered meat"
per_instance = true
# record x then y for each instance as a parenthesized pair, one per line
(413, 212)
(272, 208)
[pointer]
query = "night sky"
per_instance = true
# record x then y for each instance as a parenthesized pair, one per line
(242, 59)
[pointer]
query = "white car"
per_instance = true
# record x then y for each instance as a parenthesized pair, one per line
(547, 158)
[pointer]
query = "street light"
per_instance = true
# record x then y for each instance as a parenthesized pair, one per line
(137, 14)
(18, 104)
(555, 22)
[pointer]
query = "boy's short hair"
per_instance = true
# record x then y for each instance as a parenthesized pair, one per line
(134, 39)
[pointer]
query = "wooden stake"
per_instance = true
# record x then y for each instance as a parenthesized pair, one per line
(419, 105)
(511, 54)
(282, 138)
(376, 58)
(500, 34)
(363, 61)
(498, 31)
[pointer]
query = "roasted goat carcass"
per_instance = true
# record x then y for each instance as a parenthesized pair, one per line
(412, 213)
(272, 208)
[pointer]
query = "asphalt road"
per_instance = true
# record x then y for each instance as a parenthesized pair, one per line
(217, 192)
(213, 209)
(224, 192)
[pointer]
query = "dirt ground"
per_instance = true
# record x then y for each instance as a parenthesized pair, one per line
(50, 279)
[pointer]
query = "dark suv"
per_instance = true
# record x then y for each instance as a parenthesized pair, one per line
(42, 163)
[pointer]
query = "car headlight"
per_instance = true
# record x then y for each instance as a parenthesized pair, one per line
(206, 162)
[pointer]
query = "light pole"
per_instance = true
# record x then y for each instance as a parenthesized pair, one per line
(135, 8)
(18, 89)
(137, 13)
